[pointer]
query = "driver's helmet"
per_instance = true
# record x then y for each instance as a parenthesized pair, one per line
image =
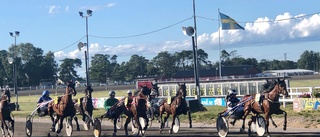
(46, 92)
(232, 92)
(112, 93)
(129, 92)
(153, 93)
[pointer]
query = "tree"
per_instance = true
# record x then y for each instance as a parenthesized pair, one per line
(136, 66)
(67, 69)
(165, 63)
(309, 60)
(101, 67)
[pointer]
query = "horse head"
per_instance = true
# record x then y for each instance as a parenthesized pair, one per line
(6, 95)
(70, 89)
(155, 88)
(182, 90)
(88, 90)
(145, 91)
(283, 87)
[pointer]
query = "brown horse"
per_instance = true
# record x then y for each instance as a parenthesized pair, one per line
(84, 106)
(139, 108)
(5, 114)
(63, 107)
(176, 107)
(270, 105)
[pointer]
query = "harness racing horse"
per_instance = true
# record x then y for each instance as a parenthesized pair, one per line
(176, 107)
(85, 107)
(5, 114)
(63, 107)
(139, 108)
(270, 105)
(116, 111)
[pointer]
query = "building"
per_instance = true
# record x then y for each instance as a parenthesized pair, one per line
(288, 72)
(228, 72)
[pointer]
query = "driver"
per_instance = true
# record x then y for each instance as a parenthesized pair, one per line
(42, 110)
(232, 101)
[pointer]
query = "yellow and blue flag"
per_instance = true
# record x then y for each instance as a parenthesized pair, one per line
(229, 23)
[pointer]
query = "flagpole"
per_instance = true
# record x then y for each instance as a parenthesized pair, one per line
(219, 45)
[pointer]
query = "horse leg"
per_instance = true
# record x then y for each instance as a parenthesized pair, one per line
(273, 123)
(77, 122)
(285, 120)
(161, 121)
(128, 119)
(173, 122)
(115, 127)
(54, 122)
(190, 119)
(61, 124)
(266, 116)
(249, 126)
(147, 120)
(2, 128)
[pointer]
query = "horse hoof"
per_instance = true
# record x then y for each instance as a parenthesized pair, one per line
(52, 129)
(241, 130)
(284, 128)
(114, 134)
(78, 129)
(59, 130)
(170, 131)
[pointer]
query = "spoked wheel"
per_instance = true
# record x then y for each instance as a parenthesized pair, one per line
(119, 123)
(28, 128)
(222, 126)
(86, 124)
(176, 126)
(150, 123)
(134, 126)
(97, 128)
(260, 125)
(69, 128)
(143, 124)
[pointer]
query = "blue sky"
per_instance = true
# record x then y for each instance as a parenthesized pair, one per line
(55, 25)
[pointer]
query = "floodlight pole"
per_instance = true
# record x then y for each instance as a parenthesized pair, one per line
(87, 57)
(14, 69)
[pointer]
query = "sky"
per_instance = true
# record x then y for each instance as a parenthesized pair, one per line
(274, 29)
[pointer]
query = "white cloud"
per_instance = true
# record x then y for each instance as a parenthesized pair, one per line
(66, 9)
(263, 31)
(53, 9)
(99, 7)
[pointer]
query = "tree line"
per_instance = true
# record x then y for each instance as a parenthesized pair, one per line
(33, 65)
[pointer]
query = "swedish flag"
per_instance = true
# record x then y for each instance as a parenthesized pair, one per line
(229, 23)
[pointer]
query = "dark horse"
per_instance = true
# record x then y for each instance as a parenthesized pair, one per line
(270, 104)
(139, 106)
(84, 106)
(63, 107)
(5, 113)
(176, 107)
(116, 111)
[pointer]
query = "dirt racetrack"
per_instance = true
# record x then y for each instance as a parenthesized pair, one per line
(41, 129)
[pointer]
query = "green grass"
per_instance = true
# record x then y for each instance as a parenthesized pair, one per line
(305, 83)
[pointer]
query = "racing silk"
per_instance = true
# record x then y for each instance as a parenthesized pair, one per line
(232, 101)
(109, 103)
(44, 99)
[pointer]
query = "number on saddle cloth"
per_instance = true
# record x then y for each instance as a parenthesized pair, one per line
(169, 100)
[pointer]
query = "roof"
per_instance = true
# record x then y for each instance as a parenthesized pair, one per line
(288, 71)
(225, 71)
